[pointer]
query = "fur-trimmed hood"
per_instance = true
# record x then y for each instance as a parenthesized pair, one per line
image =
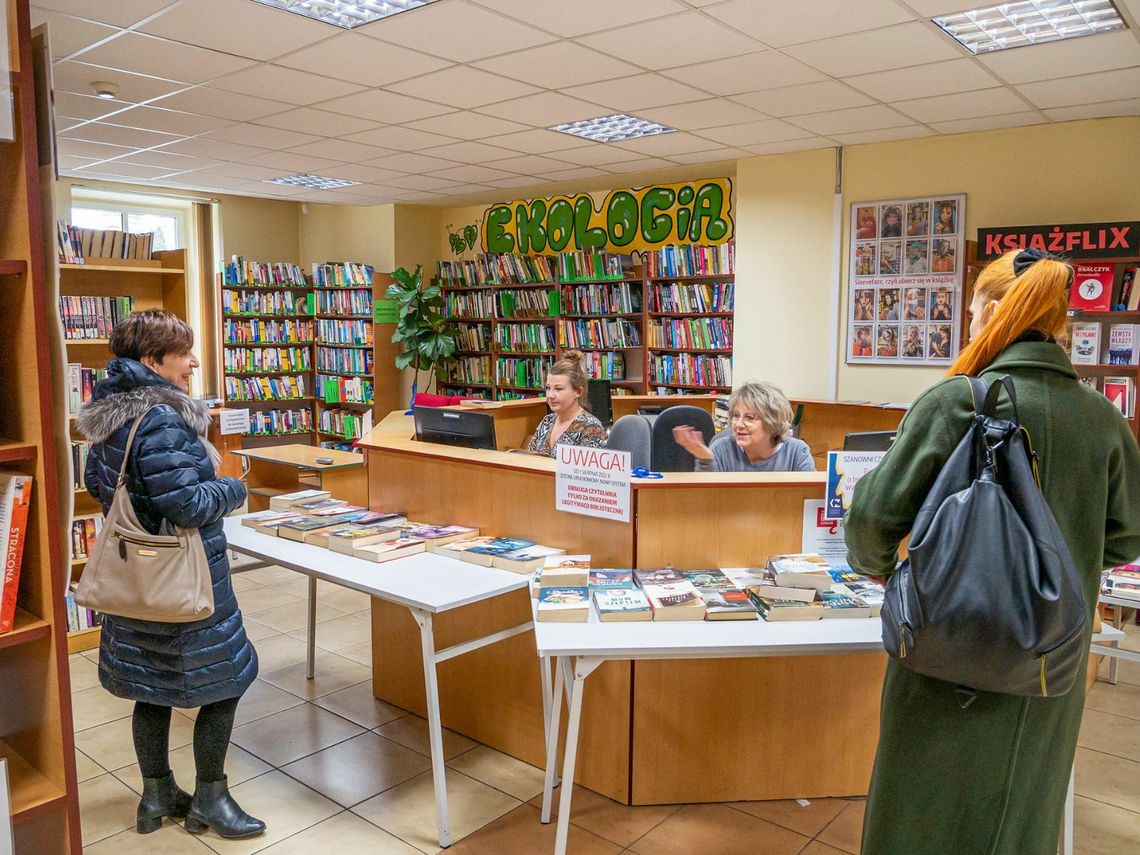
(129, 391)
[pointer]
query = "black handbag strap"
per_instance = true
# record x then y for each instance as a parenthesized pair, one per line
(986, 396)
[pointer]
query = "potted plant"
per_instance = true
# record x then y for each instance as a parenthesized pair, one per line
(426, 336)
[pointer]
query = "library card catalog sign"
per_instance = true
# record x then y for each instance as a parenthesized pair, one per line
(905, 273)
(844, 469)
(593, 482)
(233, 421)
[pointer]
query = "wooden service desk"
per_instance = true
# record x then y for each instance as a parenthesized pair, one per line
(652, 732)
(276, 469)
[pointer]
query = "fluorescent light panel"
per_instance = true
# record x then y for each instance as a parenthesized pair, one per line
(345, 13)
(613, 128)
(313, 182)
(1029, 22)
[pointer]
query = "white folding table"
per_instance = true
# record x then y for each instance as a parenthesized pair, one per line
(426, 584)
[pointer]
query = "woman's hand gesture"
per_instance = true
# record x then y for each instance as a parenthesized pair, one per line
(693, 441)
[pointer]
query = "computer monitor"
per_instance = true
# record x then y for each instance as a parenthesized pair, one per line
(598, 401)
(467, 428)
(872, 440)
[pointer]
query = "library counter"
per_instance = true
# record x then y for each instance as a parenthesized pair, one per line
(652, 731)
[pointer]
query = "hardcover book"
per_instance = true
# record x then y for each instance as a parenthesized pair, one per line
(621, 604)
(1086, 343)
(390, 550)
(285, 501)
(337, 510)
(262, 517)
(566, 603)
(1092, 287)
(318, 505)
(272, 526)
(526, 560)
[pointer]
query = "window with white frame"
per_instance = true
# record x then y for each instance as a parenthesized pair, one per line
(165, 223)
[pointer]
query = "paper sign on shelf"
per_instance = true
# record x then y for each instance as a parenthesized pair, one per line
(386, 311)
(822, 536)
(844, 469)
(593, 482)
(233, 421)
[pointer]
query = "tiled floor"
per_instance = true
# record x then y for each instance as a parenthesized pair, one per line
(330, 768)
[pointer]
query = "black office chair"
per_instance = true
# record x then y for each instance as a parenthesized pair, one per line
(872, 440)
(598, 400)
(665, 455)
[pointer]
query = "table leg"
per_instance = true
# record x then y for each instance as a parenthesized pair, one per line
(553, 720)
(312, 639)
(583, 668)
(1113, 661)
(435, 727)
(1067, 816)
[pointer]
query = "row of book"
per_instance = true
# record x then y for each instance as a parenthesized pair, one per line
(599, 333)
(15, 506)
(347, 302)
(345, 390)
(280, 422)
(79, 452)
(261, 331)
(241, 271)
(92, 317)
(1087, 345)
(284, 388)
(689, 369)
(345, 423)
(81, 385)
(266, 360)
(693, 260)
(692, 297)
(1121, 391)
(476, 304)
(1122, 582)
(343, 274)
(525, 338)
(602, 299)
(495, 268)
(344, 332)
(592, 264)
(470, 369)
(528, 373)
(344, 360)
(473, 337)
(528, 303)
(1094, 288)
(84, 530)
(690, 333)
(76, 245)
(265, 303)
(602, 365)
(79, 618)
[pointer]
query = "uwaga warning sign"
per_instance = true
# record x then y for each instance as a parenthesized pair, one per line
(593, 482)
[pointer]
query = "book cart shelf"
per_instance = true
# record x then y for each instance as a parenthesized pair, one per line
(36, 737)
(648, 333)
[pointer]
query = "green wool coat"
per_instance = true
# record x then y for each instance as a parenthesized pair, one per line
(991, 778)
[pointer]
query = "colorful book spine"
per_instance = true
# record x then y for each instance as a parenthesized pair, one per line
(280, 422)
(243, 302)
(347, 302)
(349, 390)
(598, 333)
(690, 370)
(16, 498)
(260, 331)
(692, 297)
(284, 388)
(342, 275)
(690, 334)
(86, 318)
(240, 271)
(525, 338)
(352, 332)
(266, 360)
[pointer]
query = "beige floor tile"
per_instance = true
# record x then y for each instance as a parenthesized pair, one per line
(720, 829)
(610, 820)
(1127, 672)
(1100, 829)
(1109, 779)
(171, 839)
(356, 703)
(345, 832)
(285, 806)
(96, 706)
(84, 672)
(279, 651)
(408, 810)
(112, 746)
(262, 699)
(92, 654)
(816, 847)
(1122, 699)
(257, 631)
(298, 586)
(295, 733)
(521, 832)
(270, 575)
(263, 597)
(106, 806)
(807, 819)
(846, 830)
(331, 673)
(347, 600)
(501, 771)
(291, 615)
(1111, 734)
(339, 632)
(241, 581)
(411, 731)
(240, 766)
(86, 768)
(358, 768)
(361, 653)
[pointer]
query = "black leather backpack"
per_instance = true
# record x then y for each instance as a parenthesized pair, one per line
(988, 597)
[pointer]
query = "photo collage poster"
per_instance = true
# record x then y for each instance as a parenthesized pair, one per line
(905, 276)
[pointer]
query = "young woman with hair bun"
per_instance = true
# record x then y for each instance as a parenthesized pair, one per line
(991, 776)
(569, 422)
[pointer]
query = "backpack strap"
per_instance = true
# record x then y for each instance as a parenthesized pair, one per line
(978, 390)
(1003, 382)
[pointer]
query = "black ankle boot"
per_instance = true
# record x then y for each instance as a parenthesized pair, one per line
(161, 797)
(213, 807)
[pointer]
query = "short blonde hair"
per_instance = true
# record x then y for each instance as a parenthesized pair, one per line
(768, 402)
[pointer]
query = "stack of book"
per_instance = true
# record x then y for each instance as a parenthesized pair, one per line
(563, 589)
(1122, 582)
(506, 553)
(805, 587)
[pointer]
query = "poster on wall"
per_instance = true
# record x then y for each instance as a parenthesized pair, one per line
(905, 274)
(7, 128)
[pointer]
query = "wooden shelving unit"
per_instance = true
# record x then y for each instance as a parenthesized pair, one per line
(36, 737)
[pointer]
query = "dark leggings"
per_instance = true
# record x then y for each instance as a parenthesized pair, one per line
(151, 729)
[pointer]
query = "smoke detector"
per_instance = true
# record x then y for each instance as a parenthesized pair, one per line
(104, 89)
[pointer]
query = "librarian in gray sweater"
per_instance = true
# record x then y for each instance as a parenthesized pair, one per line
(758, 439)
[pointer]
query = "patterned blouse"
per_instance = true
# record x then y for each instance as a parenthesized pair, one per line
(584, 430)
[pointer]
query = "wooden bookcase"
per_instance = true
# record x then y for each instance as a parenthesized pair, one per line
(345, 351)
(36, 737)
(158, 283)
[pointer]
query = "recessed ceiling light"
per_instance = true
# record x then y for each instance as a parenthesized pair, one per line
(313, 182)
(345, 13)
(105, 89)
(1029, 22)
(613, 128)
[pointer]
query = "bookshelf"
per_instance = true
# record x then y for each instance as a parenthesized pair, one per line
(92, 297)
(516, 315)
(36, 737)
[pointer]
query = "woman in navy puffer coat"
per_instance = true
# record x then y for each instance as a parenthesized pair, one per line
(171, 479)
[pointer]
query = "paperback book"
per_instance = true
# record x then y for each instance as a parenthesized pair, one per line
(298, 529)
(390, 550)
(658, 576)
(727, 604)
(526, 560)
(15, 503)
(621, 604)
(437, 535)
(675, 600)
(1123, 344)
(285, 501)
(485, 554)
(1092, 287)
(610, 580)
(564, 603)
(780, 610)
(836, 604)
(1086, 343)
(566, 571)
(346, 539)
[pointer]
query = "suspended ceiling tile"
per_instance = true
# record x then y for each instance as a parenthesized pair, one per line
(715, 155)
(804, 98)
(708, 113)
(1083, 89)
(851, 120)
(383, 106)
(639, 165)
(119, 13)
(289, 162)
(411, 162)
(67, 163)
(666, 145)
(806, 144)
(467, 125)
(986, 123)
(262, 137)
(884, 135)
(1102, 52)
(924, 81)
(421, 182)
(358, 59)
(169, 161)
(754, 133)
(221, 104)
(401, 139)
(163, 58)
(77, 77)
(1126, 107)
(584, 16)
(216, 149)
(284, 84)
(86, 106)
(668, 42)
(596, 154)
(546, 109)
(312, 121)
(558, 65)
(777, 24)
(528, 164)
(516, 181)
(117, 135)
(463, 86)
(127, 170)
(166, 121)
(466, 189)
(238, 27)
(761, 70)
(244, 170)
(576, 173)
(468, 152)
(642, 91)
(470, 174)
(365, 174)
(457, 30)
(877, 50)
(347, 152)
(85, 148)
(963, 105)
(67, 34)
(538, 141)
